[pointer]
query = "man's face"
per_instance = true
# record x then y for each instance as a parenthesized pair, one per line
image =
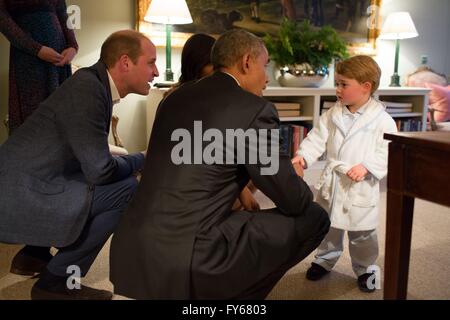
(143, 72)
(257, 77)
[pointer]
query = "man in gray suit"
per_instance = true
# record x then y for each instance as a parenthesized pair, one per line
(179, 238)
(60, 186)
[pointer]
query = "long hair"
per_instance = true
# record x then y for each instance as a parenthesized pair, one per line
(196, 54)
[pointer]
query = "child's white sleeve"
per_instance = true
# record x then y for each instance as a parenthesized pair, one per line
(377, 163)
(314, 145)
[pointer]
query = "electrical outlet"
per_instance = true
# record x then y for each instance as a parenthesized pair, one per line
(424, 59)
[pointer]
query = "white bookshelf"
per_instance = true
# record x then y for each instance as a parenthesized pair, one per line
(310, 100)
(406, 115)
(296, 118)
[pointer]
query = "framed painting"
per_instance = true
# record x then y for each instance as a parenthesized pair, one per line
(357, 21)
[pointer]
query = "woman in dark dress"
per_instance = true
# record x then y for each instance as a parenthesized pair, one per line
(42, 47)
(195, 65)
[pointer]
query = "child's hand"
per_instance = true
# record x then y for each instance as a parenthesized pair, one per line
(357, 173)
(299, 159)
(298, 169)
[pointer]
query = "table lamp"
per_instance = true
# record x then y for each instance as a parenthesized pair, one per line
(398, 25)
(168, 12)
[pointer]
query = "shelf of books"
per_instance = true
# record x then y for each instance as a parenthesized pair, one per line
(303, 106)
(296, 114)
(299, 109)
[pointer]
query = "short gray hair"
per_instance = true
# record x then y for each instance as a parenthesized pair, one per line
(233, 45)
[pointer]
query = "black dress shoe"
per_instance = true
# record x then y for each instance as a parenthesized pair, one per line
(316, 272)
(29, 262)
(63, 293)
(362, 283)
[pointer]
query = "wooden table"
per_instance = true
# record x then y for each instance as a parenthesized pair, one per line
(419, 166)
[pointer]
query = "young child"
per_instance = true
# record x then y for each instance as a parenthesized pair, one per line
(351, 133)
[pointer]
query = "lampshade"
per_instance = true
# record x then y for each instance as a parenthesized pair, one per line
(168, 12)
(398, 25)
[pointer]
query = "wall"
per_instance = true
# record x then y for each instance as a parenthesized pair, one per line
(100, 18)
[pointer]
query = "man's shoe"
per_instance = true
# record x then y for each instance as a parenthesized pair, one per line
(26, 264)
(63, 293)
(316, 272)
(362, 283)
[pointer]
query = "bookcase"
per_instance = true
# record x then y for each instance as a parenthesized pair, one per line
(311, 101)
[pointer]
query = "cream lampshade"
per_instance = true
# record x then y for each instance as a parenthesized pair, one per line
(168, 12)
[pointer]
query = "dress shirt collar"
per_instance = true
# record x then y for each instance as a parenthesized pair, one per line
(359, 112)
(114, 92)
(232, 77)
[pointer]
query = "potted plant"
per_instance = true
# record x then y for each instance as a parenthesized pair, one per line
(302, 54)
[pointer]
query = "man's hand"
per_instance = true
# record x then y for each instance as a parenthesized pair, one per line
(68, 56)
(50, 55)
(357, 173)
(298, 169)
(299, 159)
(248, 201)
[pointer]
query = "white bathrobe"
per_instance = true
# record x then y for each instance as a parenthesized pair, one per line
(353, 206)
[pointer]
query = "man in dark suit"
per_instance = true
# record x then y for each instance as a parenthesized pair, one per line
(179, 239)
(60, 185)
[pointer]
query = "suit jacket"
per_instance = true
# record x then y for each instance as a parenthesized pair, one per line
(50, 165)
(182, 213)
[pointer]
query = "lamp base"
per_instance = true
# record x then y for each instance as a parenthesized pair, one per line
(395, 81)
(168, 75)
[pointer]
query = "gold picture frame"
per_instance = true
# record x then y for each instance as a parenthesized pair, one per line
(213, 17)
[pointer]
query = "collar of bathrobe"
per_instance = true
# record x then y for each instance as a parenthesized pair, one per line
(372, 110)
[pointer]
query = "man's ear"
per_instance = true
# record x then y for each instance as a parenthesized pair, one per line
(124, 62)
(245, 63)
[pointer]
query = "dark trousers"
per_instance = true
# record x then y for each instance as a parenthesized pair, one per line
(311, 232)
(109, 201)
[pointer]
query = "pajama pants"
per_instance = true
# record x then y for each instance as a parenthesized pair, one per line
(363, 247)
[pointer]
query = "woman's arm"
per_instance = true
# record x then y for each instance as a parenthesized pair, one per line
(63, 18)
(72, 45)
(15, 35)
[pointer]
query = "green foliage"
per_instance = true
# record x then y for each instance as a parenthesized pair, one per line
(299, 43)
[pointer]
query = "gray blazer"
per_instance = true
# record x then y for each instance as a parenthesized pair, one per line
(50, 165)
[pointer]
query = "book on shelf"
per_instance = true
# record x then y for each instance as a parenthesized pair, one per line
(292, 136)
(289, 113)
(397, 108)
(409, 125)
(285, 141)
(391, 104)
(287, 106)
